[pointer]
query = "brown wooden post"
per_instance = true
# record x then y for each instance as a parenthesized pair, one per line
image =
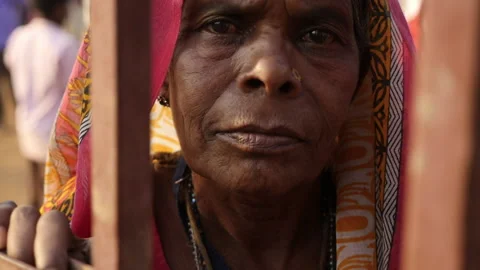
(441, 139)
(472, 233)
(122, 176)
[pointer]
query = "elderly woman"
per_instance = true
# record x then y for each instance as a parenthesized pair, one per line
(289, 117)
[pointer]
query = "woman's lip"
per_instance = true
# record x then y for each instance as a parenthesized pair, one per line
(259, 142)
(271, 131)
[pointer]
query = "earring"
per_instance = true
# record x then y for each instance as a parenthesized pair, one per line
(164, 101)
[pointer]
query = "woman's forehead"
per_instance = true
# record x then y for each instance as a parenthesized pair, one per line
(291, 6)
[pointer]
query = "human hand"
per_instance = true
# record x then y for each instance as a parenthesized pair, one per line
(42, 241)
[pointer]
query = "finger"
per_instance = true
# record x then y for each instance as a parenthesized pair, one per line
(6, 210)
(52, 241)
(21, 233)
(9, 203)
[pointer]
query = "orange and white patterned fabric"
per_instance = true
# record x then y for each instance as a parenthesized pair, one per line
(368, 168)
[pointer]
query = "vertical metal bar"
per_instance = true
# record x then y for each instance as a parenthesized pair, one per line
(121, 188)
(472, 233)
(442, 137)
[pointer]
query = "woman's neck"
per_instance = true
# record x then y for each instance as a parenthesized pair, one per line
(261, 228)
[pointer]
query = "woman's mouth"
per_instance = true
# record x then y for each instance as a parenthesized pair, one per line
(257, 140)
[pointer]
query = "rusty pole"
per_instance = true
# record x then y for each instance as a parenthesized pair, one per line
(121, 174)
(439, 163)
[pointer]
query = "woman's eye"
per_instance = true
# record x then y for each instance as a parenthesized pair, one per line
(319, 37)
(222, 27)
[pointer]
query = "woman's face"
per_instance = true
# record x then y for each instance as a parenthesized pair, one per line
(260, 88)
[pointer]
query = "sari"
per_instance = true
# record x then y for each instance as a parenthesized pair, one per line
(368, 170)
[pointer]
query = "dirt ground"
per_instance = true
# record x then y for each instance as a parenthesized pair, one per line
(13, 170)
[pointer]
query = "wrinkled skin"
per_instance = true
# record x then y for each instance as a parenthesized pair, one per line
(259, 90)
(232, 71)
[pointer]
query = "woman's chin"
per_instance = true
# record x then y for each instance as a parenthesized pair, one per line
(275, 171)
(261, 174)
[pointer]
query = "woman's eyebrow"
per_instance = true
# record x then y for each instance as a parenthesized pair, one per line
(231, 7)
(323, 13)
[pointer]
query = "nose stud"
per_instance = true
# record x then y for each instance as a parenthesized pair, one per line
(296, 75)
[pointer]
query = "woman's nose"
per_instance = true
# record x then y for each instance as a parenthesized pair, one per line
(274, 75)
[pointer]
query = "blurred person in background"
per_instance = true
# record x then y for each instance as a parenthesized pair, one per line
(39, 56)
(13, 13)
(76, 23)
